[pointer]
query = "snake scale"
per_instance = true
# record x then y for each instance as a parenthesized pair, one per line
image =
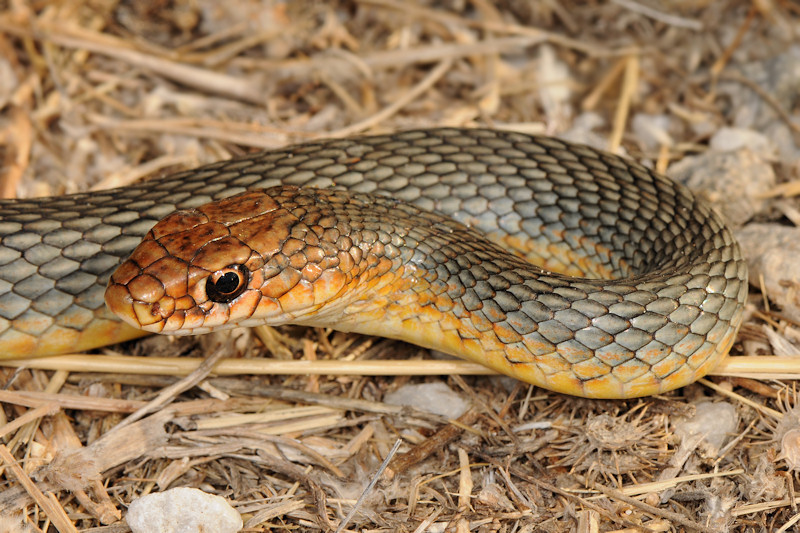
(564, 266)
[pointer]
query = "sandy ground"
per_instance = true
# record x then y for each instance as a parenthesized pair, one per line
(99, 94)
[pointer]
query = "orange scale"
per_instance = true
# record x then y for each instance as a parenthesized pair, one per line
(529, 373)
(164, 307)
(119, 300)
(312, 238)
(591, 369)
(328, 285)
(607, 386)
(171, 273)
(472, 349)
(145, 315)
(292, 246)
(356, 254)
(255, 262)
(267, 308)
(631, 370)
(493, 314)
(450, 322)
(78, 318)
(193, 318)
(147, 253)
(479, 322)
(281, 284)
(450, 342)
(244, 305)
(564, 382)
(256, 279)
(175, 321)
(535, 346)
(701, 357)
(126, 272)
(16, 344)
(178, 221)
(385, 289)
(314, 254)
(298, 260)
(299, 297)
(184, 244)
(496, 360)
(444, 302)
(197, 292)
(220, 253)
(552, 363)
(373, 281)
(146, 288)
(429, 315)
(185, 302)
(99, 333)
(667, 367)
(217, 316)
(517, 355)
(645, 385)
(506, 334)
(385, 265)
(311, 272)
(265, 234)
(241, 206)
(683, 376)
(62, 340)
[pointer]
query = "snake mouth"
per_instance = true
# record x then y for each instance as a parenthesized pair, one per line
(140, 304)
(163, 316)
(148, 316)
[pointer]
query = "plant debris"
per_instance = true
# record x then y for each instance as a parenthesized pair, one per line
(95, 95)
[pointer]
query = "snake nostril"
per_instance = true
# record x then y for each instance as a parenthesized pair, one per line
(164, 308)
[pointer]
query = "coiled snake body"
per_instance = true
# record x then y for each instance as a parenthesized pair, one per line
(637, 286)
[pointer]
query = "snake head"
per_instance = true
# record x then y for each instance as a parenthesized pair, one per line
(261, 257)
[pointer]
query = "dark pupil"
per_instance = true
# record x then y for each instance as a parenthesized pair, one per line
(227, 283)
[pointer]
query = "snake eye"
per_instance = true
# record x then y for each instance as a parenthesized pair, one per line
(226, 284)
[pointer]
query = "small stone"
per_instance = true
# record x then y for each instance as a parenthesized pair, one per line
(773, 254)
(435, 398)
(733, 139)
(652, 131)
(731, 181)
(715, 421)
(182, 510)
(790, 448)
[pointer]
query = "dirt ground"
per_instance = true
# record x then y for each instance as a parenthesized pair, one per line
(293, 425)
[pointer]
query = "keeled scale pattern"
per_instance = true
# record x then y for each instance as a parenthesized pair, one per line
(583, 210)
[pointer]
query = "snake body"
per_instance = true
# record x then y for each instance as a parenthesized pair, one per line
(637, 287)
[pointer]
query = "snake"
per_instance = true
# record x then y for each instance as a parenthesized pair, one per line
(563, 266)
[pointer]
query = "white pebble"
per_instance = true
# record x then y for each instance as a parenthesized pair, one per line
(732, 139)
(434, 398)
(714, 421)
(182, 510)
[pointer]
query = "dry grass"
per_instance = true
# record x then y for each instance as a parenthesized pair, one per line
(99, 94)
